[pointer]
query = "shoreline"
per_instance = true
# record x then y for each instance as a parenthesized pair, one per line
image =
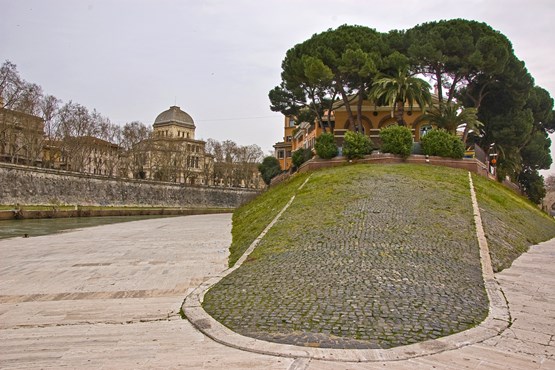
(27, 214)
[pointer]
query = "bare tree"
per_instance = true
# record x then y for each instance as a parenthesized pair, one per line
(49, 106)
(234, 165)
(550, 183)
(75, 128)
(11, 84)
(29, 100)
(135, 141)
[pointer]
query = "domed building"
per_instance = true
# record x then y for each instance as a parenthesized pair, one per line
(173, 154)
(174, 123)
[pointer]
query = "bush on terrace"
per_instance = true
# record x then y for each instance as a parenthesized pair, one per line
(325, 146)
(396, 140)
(300, 156)
(443, 144)
(356, 145)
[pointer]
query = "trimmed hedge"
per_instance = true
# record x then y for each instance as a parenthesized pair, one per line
(356, 145)
(325, 146)
(300, 156)
(443, 144)
(396, 140)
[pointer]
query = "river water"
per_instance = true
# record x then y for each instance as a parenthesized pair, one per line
(45, 226)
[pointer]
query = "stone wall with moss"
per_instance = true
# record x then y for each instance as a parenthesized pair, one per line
(36, 186)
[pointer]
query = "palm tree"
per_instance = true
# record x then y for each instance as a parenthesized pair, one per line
(450, 116)
(400, 89)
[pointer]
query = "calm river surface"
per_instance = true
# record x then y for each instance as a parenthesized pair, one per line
(44, 226)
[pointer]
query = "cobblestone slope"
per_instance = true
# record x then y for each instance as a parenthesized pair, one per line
(365, 257)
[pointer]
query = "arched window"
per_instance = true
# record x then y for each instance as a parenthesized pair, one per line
(424, 129)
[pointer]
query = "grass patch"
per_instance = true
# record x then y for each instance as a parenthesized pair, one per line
(182, 313)
(379, 254)
(511, 222)
(370, 249)
(252, 218)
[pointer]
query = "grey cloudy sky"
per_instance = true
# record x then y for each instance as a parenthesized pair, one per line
(217, 59)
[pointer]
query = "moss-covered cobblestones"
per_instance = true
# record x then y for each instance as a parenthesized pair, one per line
(366, 257)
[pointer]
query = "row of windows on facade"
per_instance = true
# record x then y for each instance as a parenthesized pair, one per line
(192, 162)
(282, 154)
(181, 134)
(100, 172)
(194, 148)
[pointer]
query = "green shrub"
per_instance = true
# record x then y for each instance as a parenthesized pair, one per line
(325, 146)
(443, 144)
(356, 145)
(457, 148)
(300, 156)
(396, 140)
(533, 185)
(269, 168)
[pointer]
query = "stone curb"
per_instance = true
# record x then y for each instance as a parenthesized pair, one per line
(495, 323)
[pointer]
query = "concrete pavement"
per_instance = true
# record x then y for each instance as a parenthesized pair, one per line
(108, 297)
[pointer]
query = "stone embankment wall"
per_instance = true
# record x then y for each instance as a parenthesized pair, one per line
(36, 186)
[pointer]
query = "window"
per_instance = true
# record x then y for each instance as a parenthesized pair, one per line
(291, 122)
(424, 130)
(281, 154)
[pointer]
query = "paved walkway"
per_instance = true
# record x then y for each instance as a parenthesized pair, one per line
(109, 297)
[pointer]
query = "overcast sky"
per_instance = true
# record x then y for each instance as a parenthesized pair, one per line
(217, 59)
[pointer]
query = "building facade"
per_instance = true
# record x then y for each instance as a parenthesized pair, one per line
(21, 137)
(373, 119)
(173, 154)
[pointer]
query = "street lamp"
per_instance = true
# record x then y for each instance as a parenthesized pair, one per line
(492, 159)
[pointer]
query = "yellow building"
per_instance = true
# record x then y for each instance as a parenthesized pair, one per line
(373, 119)
(283, 149)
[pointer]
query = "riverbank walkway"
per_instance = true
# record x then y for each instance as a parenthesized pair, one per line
(109, 297)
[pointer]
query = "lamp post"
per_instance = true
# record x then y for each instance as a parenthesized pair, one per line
(492, 160)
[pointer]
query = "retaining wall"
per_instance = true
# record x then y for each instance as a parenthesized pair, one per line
(25, 185)
(469, 164)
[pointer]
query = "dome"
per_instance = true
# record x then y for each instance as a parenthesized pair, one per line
(174, 116)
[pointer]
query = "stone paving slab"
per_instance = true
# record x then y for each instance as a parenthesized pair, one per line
(109, 297)
(174, 343)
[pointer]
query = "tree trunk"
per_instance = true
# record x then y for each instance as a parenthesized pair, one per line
(359, 109)
(439, 87)
(347, 106)
(399, 110)
(465, 135)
